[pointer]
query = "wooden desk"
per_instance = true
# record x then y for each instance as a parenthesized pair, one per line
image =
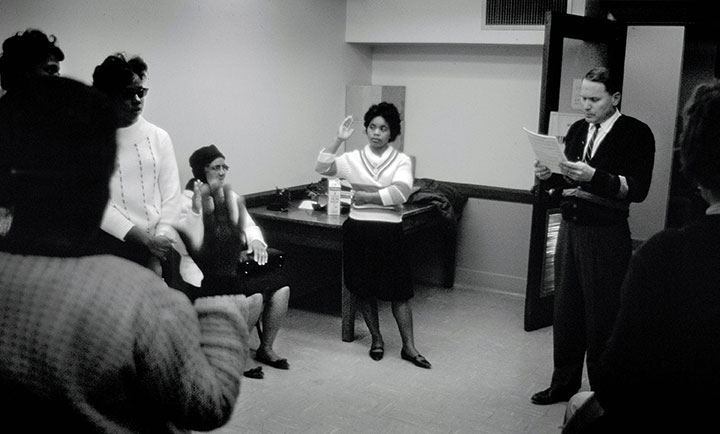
(316, 229)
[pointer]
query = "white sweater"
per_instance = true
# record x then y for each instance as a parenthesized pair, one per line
(145, 188)
(390, 175)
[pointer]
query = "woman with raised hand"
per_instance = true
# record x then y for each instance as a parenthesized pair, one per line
(374, 260)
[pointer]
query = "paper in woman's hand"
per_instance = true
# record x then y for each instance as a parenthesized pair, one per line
(548, 150)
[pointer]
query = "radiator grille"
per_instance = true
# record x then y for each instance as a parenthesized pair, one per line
(521, 12)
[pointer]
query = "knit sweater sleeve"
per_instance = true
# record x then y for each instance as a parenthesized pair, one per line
(402, 181)
(114, 222)
(325, 164)
(169, 183)
(193, 360)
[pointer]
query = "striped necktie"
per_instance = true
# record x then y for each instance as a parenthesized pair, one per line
(589, 149)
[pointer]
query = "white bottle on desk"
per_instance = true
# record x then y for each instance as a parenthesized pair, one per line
(333, 206)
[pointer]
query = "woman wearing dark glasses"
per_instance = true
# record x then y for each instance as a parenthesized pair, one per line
(145, 188)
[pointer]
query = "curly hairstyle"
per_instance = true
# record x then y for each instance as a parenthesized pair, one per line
(700, 138)
(24, 51)
(117, 72)
(387, 111)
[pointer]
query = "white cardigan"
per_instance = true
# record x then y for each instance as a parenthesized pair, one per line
(145, 187)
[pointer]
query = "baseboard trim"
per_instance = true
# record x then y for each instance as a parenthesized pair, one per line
(495, 282)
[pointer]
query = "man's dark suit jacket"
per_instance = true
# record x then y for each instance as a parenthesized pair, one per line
(627, 150)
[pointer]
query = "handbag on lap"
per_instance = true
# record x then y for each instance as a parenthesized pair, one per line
(263, 279)
(249, 268)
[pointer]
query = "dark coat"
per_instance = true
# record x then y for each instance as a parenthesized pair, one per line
(627, 150)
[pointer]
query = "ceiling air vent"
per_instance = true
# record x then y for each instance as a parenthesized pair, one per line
(520, 14)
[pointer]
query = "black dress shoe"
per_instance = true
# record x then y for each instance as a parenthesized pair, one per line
(255, 372)
(277, 363)
(377, 353)
(418, 360)
(550, 396)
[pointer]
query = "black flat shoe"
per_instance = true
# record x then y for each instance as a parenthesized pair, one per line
(551, 396)
(376, 353)
(418, 360)
(277, 363)
(255, 372)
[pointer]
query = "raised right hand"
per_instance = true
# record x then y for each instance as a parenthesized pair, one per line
(218, 254)
(344, 130)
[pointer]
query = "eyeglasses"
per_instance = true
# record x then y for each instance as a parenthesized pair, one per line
(217, 167)
(132, 92)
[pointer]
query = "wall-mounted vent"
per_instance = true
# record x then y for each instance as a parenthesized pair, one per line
(520, 14)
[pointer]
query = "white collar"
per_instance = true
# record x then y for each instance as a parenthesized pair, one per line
(608, 123)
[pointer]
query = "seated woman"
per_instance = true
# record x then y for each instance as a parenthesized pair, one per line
(208, 166)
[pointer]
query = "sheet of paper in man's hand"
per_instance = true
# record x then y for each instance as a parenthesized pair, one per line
(548, 150)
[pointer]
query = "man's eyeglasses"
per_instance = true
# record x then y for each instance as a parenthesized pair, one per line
(217, 167)
(132, 92)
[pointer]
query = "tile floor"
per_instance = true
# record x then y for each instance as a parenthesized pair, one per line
(485, 367)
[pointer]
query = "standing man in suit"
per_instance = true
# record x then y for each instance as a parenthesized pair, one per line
(610, 163)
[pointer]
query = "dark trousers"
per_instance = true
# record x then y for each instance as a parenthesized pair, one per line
(590, 265)
(107, 244)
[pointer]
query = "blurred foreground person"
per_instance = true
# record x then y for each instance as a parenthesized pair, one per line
(26, 55)
(659, 372)
(98, 343)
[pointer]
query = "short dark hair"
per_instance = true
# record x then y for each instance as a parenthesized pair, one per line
(387, 111)
(117, 71)
(700, 137)
(603, 75)
(58, 147)
(22, 52)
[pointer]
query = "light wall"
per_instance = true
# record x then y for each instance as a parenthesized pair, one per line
(465, 106)
(263, 80)
(651, 91)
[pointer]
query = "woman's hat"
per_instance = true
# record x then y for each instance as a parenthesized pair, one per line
(201, 158)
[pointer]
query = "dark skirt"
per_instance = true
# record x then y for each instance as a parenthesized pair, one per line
(374, 260)
(263, 280)
(265, 283)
